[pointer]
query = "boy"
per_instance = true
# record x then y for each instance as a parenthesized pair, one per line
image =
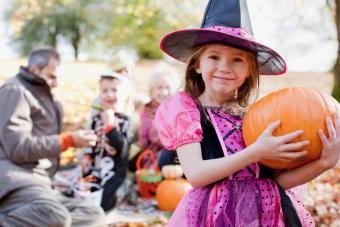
(106, 164)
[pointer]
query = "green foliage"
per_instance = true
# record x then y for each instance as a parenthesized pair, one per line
(31, 36)
(142, 23)
(39, 22)
(91, 23)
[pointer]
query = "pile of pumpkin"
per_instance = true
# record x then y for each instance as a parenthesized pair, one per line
(166, 185)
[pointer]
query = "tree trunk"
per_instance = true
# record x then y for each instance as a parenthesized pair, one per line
(76, 49)
(336, 69)
(76, 42)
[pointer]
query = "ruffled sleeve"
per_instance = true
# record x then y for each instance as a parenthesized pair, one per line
(177, 121)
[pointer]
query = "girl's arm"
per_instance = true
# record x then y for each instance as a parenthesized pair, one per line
(201, 172)
(301, 175)
(329, 157)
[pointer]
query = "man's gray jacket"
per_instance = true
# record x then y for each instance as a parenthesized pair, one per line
(30, 124)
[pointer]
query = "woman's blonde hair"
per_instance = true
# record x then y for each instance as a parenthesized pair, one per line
(194, 84)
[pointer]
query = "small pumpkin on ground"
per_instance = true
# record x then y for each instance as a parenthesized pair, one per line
(171, 190)
(296, 108)
(172, 171)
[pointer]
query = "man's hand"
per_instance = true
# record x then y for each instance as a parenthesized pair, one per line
(84, 138)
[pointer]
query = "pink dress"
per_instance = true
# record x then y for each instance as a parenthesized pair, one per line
(242, 199)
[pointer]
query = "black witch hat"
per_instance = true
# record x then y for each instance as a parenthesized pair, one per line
(226, 22)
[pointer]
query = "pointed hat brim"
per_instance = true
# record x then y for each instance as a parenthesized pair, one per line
(181, 44)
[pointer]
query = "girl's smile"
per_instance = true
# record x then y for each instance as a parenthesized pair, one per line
(224, 78)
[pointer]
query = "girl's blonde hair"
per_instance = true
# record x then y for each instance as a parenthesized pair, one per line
(194, 84)
(163, 71)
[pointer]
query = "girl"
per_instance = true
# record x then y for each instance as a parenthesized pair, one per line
(107, 163)
(204, 123)
(162, 83)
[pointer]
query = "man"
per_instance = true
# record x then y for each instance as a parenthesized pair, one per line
(30, 127)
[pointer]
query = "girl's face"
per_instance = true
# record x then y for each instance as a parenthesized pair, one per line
(223, 69)
(109, 91)
(160, 90)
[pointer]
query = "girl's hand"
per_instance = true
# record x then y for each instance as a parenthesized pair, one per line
(331, 146)
(281, 148)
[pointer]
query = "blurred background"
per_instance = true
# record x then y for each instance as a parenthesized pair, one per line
(88, 33)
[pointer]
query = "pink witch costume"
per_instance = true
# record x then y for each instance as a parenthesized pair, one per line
(249, 197)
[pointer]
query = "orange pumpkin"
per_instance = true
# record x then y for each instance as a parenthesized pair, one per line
(171, 190)
(296, 108)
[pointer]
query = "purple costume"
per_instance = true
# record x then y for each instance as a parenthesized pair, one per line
(243, 199)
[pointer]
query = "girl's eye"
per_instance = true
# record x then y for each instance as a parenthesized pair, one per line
(237, 60)
(213, 57)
